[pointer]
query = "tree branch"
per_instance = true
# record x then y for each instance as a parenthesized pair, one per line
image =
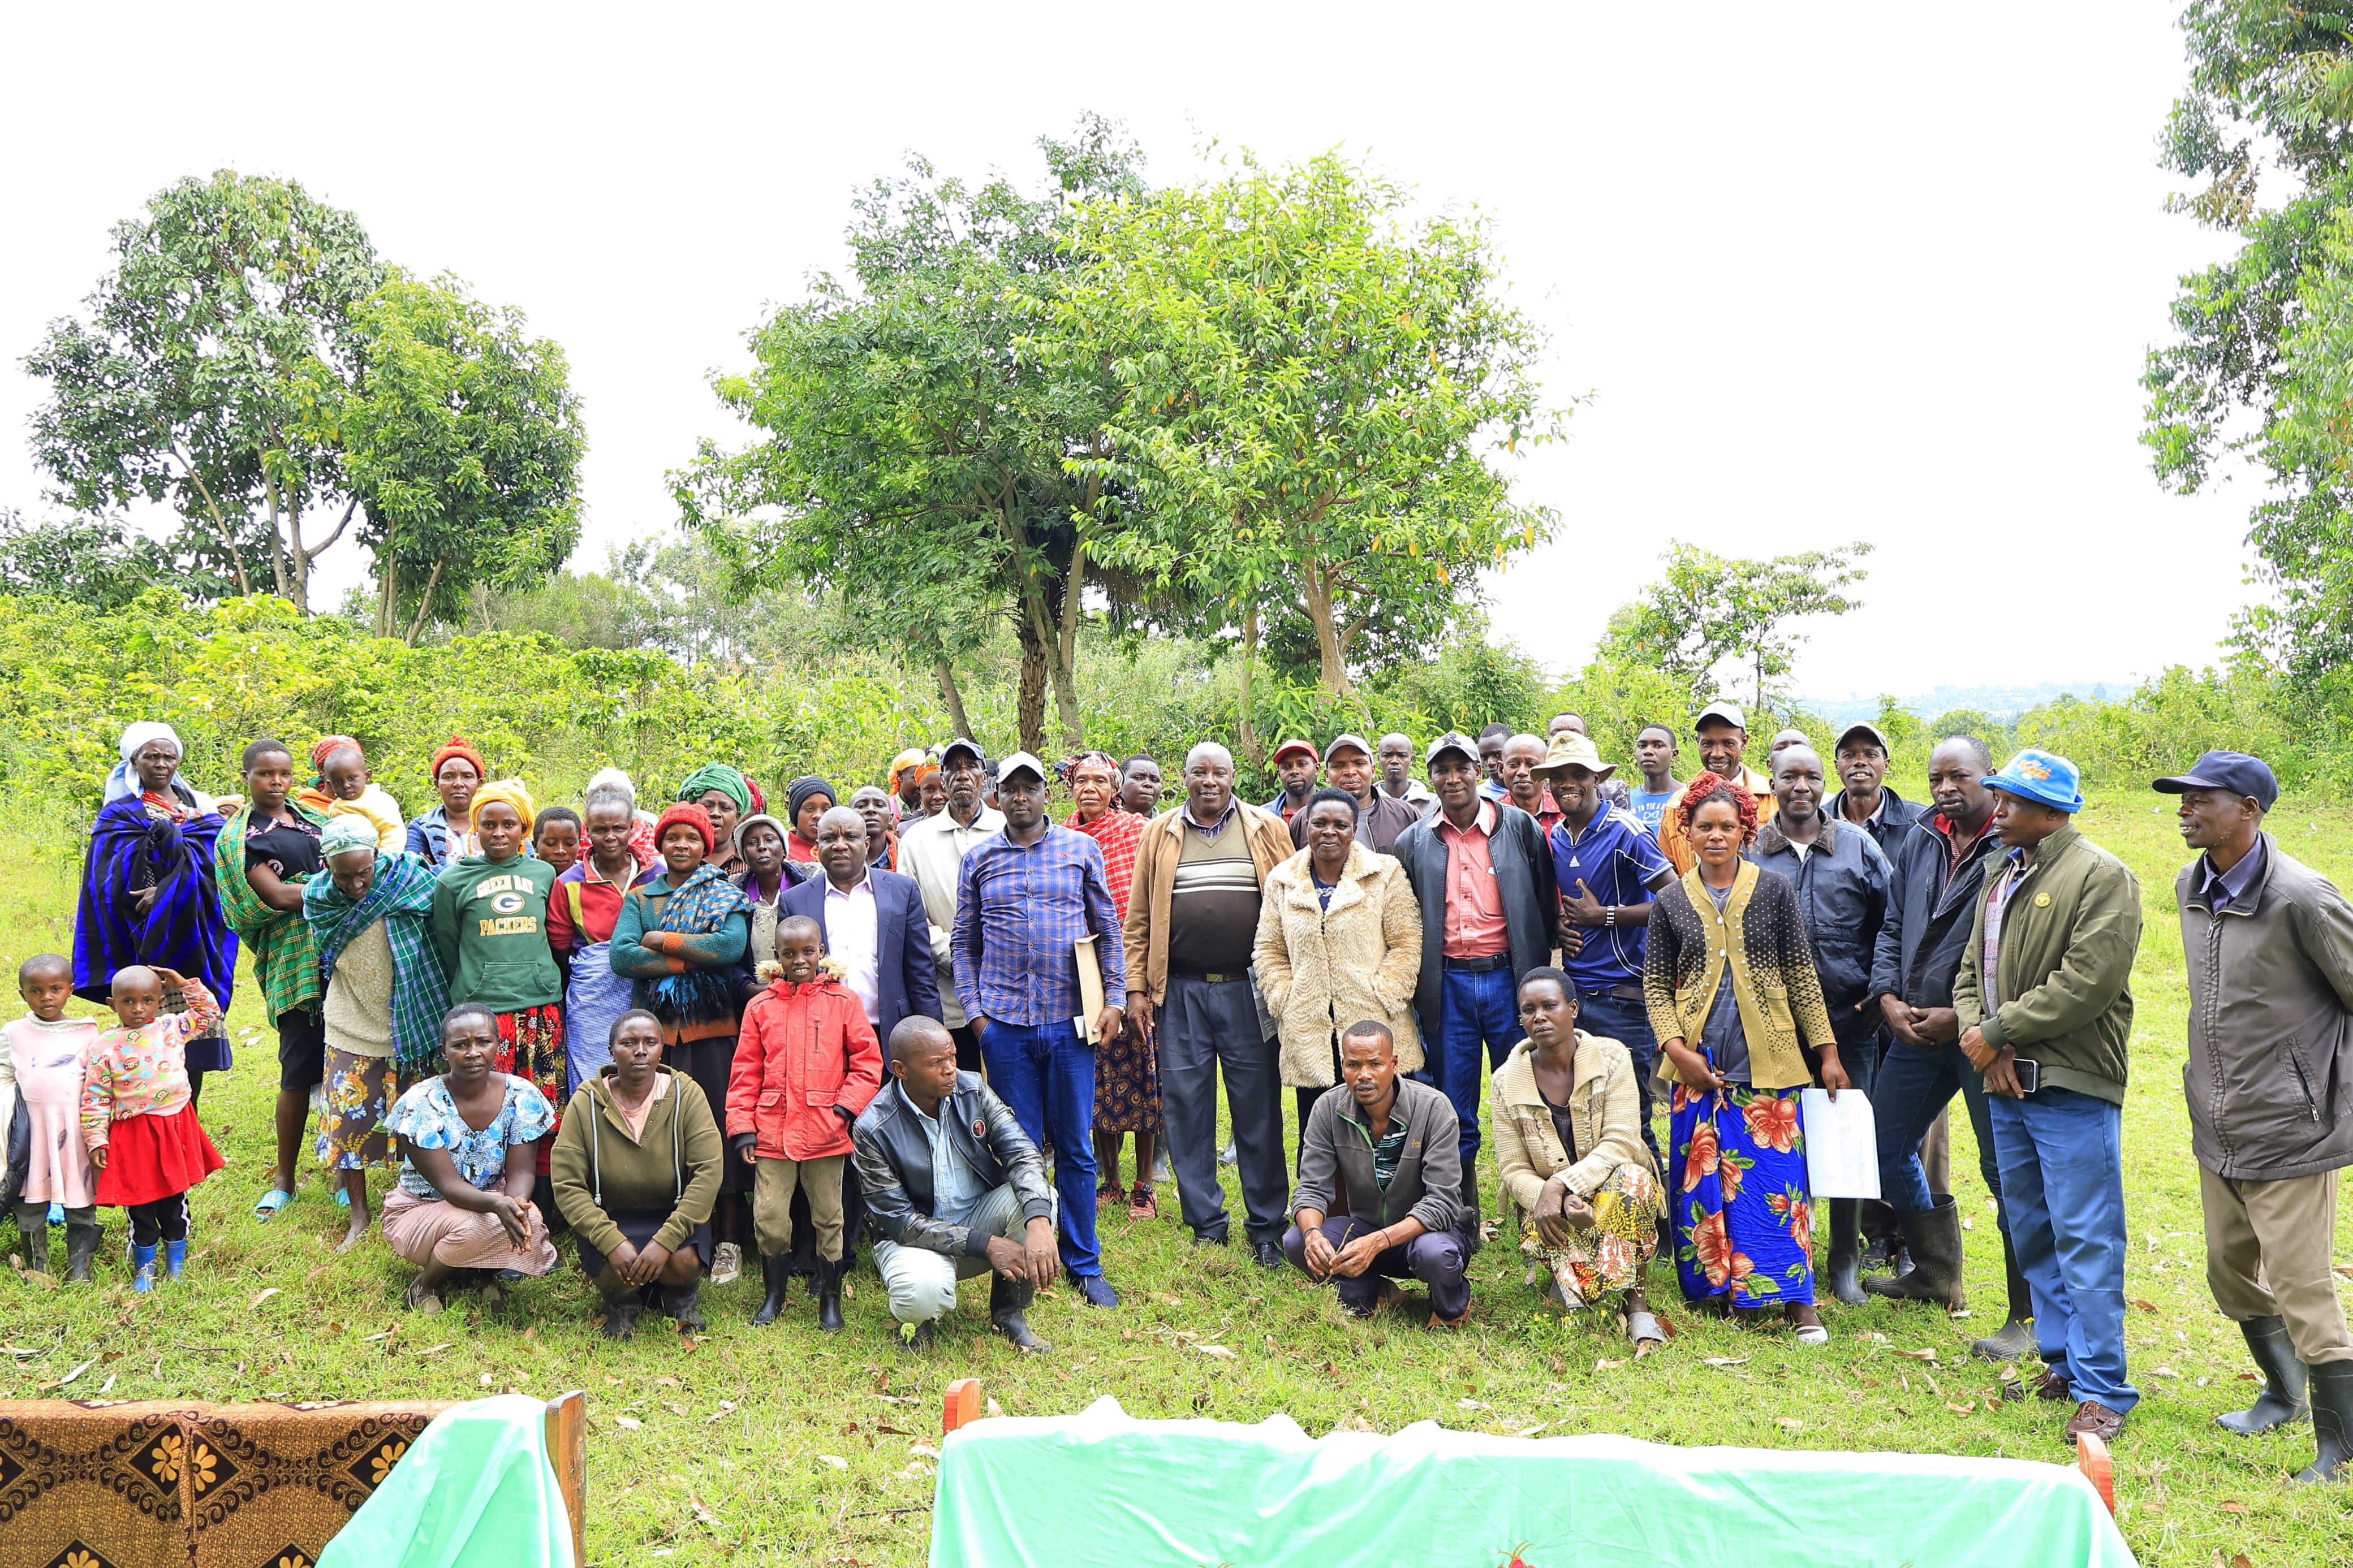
(424, 603)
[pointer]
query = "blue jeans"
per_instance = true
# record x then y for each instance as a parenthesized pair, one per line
(1473, 1008)
(2062, 1182)
(1628, 1021)
(1046, 1075)
(1914, 1083)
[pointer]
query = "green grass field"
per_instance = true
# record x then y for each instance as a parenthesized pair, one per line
(785, 1446)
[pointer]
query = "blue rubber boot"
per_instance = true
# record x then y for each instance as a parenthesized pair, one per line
(176, 1257)
(142, 1268)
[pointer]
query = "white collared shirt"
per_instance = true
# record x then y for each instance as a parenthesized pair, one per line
(852, 936)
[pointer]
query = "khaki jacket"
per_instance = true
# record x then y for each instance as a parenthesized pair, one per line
(2069, 930)
(597, 1170)
(1762, 936)
(1604, 1105)
(1322, 970)
(1146, 935)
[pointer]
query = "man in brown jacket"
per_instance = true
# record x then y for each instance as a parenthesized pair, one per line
(1192, 917)
(2269, 945)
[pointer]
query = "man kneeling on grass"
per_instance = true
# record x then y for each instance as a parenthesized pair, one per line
(953, 1188)
(1388, 1144)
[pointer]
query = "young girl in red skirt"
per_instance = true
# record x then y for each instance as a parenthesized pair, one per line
(138, 1120)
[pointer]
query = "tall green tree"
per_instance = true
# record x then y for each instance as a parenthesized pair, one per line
(2258, 364)
(911, 456)
(95, 561)
(1710, 614)
(461, 435)
(1314, 393)
(188, 379)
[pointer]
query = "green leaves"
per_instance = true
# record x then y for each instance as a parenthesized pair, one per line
(1710, 612)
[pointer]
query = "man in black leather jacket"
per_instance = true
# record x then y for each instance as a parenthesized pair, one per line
(953, 1188)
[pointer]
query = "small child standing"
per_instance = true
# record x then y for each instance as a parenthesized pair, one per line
(48, 1054)
(806, 1064)
(137, 1117)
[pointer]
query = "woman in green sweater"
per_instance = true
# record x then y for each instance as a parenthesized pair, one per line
(636, 1171)
(488, 927)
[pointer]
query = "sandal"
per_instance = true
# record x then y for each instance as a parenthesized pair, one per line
(1142, 1205)
(273, 1200)
(1644, 1329)
(423, 1298)
(1813, 1334)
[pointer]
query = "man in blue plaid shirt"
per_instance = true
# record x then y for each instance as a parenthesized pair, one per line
(1024, 898)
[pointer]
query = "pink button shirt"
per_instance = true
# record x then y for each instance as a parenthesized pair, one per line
(1475, 905)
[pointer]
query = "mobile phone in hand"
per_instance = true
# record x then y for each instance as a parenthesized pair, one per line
(2030, 1074)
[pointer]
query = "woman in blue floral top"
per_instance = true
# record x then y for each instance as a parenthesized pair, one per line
(463, 1204)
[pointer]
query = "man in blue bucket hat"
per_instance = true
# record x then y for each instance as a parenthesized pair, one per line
(2045, 1008)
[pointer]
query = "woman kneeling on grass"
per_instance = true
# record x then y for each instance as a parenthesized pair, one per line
(1730, 984)
(1567, 1119)
(464, 1198)
(636, 1171)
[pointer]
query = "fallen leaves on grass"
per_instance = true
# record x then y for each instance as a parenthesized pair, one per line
(263, 1294)
(1969, 1409)
(628, 1423)
(2149, 1307)
(726, 1408)
(835, 1460)
(1788, 1424)
(1724, 1361)
(71, 1375)
(1604, 1364)
(1220, 1351)
(1926, 1352)
(2235, 1507)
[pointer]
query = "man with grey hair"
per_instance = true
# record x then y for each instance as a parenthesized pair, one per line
(1192, 918)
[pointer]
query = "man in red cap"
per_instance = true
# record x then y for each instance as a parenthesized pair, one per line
(1295, 763)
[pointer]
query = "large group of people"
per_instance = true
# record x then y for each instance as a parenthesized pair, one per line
(931, 1018)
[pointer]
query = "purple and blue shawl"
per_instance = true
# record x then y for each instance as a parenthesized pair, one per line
(184, 931)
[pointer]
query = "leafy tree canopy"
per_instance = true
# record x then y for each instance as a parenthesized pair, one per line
(1711, 613)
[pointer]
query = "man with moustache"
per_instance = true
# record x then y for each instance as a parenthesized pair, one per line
(1295, 763)
(931, 851)
(1841, 877)
(1722, 735)
(1139, 786)
(1860, 757)
(1380, 817)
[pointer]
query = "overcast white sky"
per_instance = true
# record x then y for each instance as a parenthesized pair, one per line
(1830, 272)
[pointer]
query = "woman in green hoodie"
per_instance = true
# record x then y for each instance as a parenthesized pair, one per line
(636, 1171)
(488, 927)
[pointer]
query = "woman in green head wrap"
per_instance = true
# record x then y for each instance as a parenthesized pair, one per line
(726, 799)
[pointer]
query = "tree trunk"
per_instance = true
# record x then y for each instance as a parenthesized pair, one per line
(424, 603)
(1066, 651)
(278, 548)
(1029, 707)
(951, 697)
(1333, 668)
(1244, 730)
(388, 596)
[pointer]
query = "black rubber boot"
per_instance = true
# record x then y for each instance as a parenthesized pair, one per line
(2330, 1385)
(829, 1295)
(1007, 1300)
(778, 1273)
(2015, 1338)
(2283, 1396)
(622, 1310)
(36, 1244)
(684, 1303)
(1846, 1251)
(82, 1250)
(1933, 1238)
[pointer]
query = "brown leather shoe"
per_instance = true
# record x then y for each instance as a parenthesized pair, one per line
(2097, 1420)
(2048, 1385)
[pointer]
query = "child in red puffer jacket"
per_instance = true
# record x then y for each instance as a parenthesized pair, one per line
(806, 1064)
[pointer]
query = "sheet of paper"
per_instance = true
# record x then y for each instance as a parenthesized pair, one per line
(1841, 1144)
(1090, 990)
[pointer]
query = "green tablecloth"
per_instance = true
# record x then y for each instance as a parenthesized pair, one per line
(1100, 1487)
(473, 1491)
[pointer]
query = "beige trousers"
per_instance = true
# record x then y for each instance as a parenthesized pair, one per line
(2267, 1257)
(427, 1230)
(772, 1184)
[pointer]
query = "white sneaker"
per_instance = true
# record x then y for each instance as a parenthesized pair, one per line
(1229, 1155)
(726, 1264)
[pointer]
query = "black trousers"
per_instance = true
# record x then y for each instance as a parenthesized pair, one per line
(165, 1219)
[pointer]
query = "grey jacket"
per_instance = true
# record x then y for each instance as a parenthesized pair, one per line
(1335, 1154)
(893, 1157)
(2270, 1074)
(1843, 887)
(1523, 866)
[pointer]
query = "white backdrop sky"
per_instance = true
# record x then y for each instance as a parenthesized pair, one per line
(1830, 272)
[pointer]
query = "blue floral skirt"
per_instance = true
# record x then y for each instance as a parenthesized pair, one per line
(1744, 1221)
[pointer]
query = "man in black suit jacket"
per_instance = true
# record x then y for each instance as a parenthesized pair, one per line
(876, 928)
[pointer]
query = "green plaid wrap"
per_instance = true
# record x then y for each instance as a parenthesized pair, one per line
(285, 951)
(402, 897)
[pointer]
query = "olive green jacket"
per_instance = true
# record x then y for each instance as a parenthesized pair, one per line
(2069, 930)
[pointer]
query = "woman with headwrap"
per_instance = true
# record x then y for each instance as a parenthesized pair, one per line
(149, 891)
(806, 800)
(446, 832)
(767, 874)
(682, 937)
(905, 788)
(490, 930)
(726, 798)
(368, 916)
(268, 849)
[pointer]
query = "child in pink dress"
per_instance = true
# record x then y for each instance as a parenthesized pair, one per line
(46, 1053)
(138, 1119)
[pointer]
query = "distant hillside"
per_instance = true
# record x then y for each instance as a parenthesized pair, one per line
(2001, 701)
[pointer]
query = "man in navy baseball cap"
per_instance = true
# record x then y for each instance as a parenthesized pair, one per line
(2233, 772)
